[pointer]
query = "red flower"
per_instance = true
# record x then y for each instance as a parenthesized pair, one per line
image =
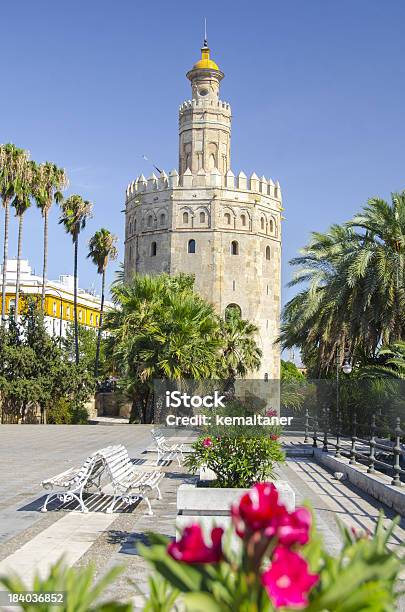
(273, 437)
(288, 580)
(257, 509)
(207, 442)
(192, 548)
(292, 528)
(271, 412)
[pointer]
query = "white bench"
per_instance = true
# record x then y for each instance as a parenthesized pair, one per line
(129, 484)
(71, 484)
(164, 451)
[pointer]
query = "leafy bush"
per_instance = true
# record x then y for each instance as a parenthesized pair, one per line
(237, 461)
(81, 594)
(278, 563)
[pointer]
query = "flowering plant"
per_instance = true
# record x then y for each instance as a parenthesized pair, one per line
(272, 559)
(238, 461)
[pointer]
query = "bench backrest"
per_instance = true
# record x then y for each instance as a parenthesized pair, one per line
(158, 437)
(117, 461)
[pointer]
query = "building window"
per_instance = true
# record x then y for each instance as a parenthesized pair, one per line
(153, 249)
(150, 219)
(232, 309)
(267, 290)
(202, 217)
(267, 252)
(80, 315)
(233, 285)
(68, 311)
(134, 225)
(96, 319)
(227, 217)
(234, 247)
(243, 220)
(191, 246)
(54, 308)
(130, 252)
(271, 226)
(91, 318)
(262, 223)
(185, 217)
(162, 219)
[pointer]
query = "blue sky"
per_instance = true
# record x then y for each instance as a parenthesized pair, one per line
(317, 91)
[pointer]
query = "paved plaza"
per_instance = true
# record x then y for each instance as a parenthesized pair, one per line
(30, 541)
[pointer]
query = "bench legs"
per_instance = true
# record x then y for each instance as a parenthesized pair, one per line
(131, 499)
(64, 497)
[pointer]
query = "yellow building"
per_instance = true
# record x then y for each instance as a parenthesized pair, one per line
(59, 311)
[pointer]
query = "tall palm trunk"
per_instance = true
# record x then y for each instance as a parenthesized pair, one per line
(19, 248)
(75, 300)
(45, 258)
(6, 204)
(100, 325)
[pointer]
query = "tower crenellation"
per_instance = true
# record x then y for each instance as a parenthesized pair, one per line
(204, 219)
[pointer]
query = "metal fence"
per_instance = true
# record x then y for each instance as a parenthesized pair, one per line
(363, 445)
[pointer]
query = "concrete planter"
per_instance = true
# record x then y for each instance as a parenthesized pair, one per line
(210, 506)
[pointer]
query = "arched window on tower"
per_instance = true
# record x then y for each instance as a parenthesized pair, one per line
(153, 249)
(271, 226)
(227, 218)
(150, 220)
(232, 310)
(243, 220)
(267, 252)
(134, 225)
(234, 247)
(202, 217)
(262, 223)
(162, 219)
(185, 217)
(191, 246)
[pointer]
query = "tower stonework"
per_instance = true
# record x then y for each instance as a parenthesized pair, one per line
(204, 220)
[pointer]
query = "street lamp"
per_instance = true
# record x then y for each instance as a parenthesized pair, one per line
(346, 368)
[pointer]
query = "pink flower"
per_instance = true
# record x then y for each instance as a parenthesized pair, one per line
(191, 548)
(271, 412)
(292, 528)
(207, 442)
(257, 509)
(288, 580)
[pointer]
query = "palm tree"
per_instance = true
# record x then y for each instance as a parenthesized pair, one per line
(355, 294)
(75, 212)
(21, 203)
(102, 249)
(239, 353)
(160, 329)
(48, 186)
(12, 163)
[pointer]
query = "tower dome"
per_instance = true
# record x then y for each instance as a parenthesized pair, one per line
(205, 63)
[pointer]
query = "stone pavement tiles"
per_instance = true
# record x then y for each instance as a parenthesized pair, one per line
(31, 453)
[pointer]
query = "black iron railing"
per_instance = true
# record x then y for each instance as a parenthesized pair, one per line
(384, 454)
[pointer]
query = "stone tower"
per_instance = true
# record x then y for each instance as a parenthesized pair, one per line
(204, 220)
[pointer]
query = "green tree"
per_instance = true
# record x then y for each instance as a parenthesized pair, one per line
(21, 203)
(35, 371)
(75, 212)
(102, 249)
(239, 353)
(289, 371)
(12, 166)
(160, 329)
(87, 347)
(49, 182)
(355, 294)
